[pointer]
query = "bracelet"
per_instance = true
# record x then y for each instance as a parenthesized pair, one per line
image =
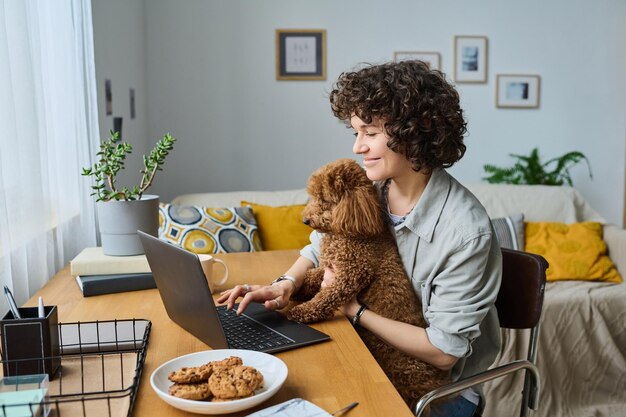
(286, 278)
(357, 317)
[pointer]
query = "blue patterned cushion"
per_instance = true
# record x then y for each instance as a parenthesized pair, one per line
(209, 230)
(510, 231)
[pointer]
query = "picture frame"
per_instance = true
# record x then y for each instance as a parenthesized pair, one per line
(300, 54)
(470, 59)
(518, 91)
(433, 59)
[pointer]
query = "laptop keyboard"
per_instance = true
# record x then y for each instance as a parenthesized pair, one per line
(242, 332)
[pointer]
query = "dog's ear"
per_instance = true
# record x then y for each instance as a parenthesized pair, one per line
(358, 213)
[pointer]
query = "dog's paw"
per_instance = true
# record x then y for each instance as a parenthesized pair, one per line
(300, 314)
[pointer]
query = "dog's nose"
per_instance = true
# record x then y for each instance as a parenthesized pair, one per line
(306, 221)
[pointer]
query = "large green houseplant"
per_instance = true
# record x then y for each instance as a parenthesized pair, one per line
(531, 170)
(123, 211)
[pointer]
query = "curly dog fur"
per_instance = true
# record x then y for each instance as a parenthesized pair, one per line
(359, 246)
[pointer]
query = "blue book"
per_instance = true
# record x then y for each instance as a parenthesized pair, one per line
(112, 283)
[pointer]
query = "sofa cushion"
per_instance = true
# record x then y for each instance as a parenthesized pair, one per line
(280, 227)
(233, 198)
(575, 251)
(510, 231)
(538, 203)
(209, 230)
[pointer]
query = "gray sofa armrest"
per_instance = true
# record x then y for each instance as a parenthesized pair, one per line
(615, 239)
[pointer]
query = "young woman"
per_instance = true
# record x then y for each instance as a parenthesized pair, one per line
(409, 126)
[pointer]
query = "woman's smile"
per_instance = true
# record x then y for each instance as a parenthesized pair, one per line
(367, 162)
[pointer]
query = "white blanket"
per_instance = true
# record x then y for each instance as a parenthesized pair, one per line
(581, 354)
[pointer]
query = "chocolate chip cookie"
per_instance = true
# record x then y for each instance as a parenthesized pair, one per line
(195, 374)
(199, 391)
(229, 383)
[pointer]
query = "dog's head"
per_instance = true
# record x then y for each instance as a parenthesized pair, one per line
(343, 201)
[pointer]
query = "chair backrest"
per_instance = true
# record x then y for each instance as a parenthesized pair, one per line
(519, 304)
(520, 298)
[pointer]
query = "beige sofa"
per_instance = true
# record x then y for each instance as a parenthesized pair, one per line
(582, 343)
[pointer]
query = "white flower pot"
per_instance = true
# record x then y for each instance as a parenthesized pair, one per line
(120, 220)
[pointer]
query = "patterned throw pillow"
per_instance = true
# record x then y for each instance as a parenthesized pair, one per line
(573, 251)
(209, 230)
(510, 231)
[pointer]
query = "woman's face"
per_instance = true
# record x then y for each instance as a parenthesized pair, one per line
(379, 161)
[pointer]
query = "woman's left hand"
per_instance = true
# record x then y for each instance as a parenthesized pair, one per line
(350, 308)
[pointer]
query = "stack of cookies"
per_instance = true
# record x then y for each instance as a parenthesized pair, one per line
(225, 380)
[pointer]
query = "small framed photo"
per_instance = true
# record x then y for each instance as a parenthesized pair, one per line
(300, 54)
(470, 59)
(433, 59)
(517, 91)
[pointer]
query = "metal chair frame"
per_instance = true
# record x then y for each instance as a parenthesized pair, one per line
(532, 380)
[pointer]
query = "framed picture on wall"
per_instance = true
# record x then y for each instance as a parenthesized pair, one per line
(433, 59)
(517, 91)
(470, 59)
(300, 54)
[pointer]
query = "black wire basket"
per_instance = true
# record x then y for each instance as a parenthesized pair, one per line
(96, 373)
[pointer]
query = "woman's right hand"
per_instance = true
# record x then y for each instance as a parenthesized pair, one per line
(273, 297)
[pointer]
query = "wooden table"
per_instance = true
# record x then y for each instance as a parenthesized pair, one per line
(330, 374)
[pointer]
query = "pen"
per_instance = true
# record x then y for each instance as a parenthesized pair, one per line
(345, 409)
(40, 310)
(12, 305)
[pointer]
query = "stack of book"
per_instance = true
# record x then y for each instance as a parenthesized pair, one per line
(97, 273)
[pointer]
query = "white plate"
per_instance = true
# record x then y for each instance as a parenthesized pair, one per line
(273, 369)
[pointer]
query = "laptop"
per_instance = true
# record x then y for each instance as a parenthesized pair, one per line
(188, 301)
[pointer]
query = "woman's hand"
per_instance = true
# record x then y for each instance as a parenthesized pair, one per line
(349, 309)
(329, 277)
(273, 297)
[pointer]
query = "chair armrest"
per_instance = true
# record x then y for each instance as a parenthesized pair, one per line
(482, 377)
(615, 239)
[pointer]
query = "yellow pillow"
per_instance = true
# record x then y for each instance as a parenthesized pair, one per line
(280, 227)
(574, 252)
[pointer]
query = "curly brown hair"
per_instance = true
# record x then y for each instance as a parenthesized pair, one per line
(418, 108)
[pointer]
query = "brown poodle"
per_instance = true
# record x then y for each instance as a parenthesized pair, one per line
(359, 246)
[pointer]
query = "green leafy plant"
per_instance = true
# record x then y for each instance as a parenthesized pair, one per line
(112, 156)
(530, 170)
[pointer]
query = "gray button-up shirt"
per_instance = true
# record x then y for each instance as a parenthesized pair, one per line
(450, 252)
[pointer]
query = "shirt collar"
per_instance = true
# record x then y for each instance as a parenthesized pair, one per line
(424, 217)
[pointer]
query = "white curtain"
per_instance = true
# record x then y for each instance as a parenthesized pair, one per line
(48, 131)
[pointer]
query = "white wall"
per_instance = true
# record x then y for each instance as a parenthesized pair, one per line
(210, 68)
(119, 43)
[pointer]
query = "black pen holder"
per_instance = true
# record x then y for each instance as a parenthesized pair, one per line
(30, 345)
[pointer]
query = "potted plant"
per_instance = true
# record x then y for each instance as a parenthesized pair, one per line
(121, 212)
(530, 170)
